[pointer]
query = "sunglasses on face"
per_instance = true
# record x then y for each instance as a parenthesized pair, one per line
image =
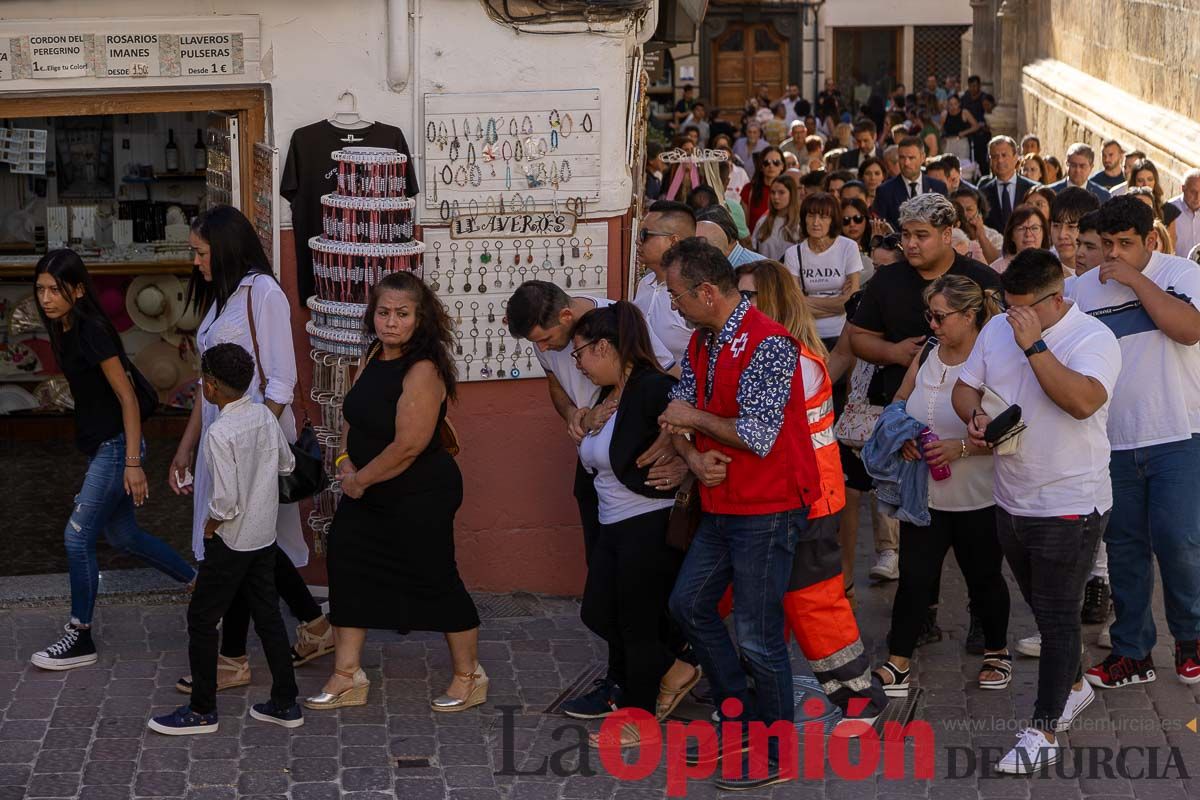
(939, 316)
(772, 162)
(645, 233)
(857, 219)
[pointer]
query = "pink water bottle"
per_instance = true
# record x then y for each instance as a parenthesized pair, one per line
(939, 473)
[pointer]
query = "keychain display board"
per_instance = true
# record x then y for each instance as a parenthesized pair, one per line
(475, 278)
(527, 148)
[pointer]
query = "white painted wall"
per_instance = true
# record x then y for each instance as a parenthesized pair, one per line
(312, 50)
(869, 13)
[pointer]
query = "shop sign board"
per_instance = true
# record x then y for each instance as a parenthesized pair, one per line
(6, 59)
(208, 54)
(60, 55)
(129, 55)
(505, 226)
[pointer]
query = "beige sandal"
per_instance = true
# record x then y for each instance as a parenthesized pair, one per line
(231, 673)
(356, 695)
(669, 699)
(311, 645)
(631, 736)
(476, 694)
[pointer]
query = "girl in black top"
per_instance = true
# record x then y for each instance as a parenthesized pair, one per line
(631, 570)
(111, 400)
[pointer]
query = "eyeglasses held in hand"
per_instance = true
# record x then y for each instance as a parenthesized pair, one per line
(890, 241)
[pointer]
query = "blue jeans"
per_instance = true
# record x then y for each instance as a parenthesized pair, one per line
(103, 505)
(754, 553)
(1156, 513)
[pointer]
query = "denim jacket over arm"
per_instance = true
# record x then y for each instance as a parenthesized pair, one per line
(902, 487)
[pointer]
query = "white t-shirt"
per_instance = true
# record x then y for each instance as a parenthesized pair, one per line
(1157, 398)
(1061, 467)
(969, 486)
(665, 322)
(583, 393)
(617, 501)
(824, 275)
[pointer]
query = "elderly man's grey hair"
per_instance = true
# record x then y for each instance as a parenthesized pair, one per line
(932, 208)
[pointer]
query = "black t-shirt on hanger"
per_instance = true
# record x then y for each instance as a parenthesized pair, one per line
(309, 172)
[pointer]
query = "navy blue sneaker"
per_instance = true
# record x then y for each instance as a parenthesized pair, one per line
(269, 712)
(184, 722)
(601, 701)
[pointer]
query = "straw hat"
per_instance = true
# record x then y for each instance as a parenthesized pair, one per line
(155, 302)
(163, 366)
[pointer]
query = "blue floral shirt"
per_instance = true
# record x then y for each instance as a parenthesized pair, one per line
(764, 388)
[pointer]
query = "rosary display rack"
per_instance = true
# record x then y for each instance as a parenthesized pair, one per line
(523, 147)
(367, 234)
(475, 277)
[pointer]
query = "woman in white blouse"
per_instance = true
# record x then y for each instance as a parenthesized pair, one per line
(230, 270)
(961, 510)
(779, 228)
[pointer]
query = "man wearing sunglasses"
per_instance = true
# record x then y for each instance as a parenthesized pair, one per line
(1053, 494)
(665, 223)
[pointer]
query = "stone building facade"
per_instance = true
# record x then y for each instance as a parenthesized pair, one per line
(1089, 70)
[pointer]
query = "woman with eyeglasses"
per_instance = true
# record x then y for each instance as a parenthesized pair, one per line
(779, 228)
(856, 225)
(631, 570)
(961, 507)
(872, 172)
(756, 195)
(826, 264)
(1026, 228)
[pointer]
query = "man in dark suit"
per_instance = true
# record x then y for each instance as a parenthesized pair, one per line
(947, 169)
(910, 183)
(1004, 189)
(1080, 160)
(865, 135)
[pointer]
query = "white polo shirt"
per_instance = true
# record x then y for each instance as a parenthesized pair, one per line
(1157, 397)
(665, 322)
(583, 393)
(1061, 467)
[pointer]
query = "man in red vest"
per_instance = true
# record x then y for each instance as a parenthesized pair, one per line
(739, 420)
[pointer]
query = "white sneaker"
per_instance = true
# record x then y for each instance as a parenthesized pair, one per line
(1031, 752)
(1077, 701)
(1030, 646)
(1104, 639)
(887, 566)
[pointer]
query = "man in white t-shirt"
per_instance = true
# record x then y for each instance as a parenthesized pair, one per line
(1053, 494)
(544, 314)
(1151, 302)
(666, 222)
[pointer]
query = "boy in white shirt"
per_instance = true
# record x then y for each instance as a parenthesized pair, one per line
(246, 451)
(1151, 301)
(1053, 494)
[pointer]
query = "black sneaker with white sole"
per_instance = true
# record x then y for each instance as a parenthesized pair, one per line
(277, 715)
(74, 649)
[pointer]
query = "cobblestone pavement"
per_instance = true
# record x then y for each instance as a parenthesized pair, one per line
(82, 734)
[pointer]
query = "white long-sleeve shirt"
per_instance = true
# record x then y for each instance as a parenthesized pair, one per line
(246, 453)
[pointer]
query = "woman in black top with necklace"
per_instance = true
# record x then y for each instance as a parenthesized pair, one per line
(391, 547)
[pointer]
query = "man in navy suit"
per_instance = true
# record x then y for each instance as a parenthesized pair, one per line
(1004, 189)
(947, 169)
(865, 135)
(910, 183)
(1080, 160)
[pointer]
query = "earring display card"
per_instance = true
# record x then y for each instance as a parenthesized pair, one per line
(475, 278)
(527, 149)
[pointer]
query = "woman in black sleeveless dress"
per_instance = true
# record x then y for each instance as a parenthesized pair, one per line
(391, 547)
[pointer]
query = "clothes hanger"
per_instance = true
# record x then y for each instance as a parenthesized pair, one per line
(349, 120)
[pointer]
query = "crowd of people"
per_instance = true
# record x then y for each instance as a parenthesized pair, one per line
(1008, 369)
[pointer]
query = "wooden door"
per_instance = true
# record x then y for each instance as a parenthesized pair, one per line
(745, 55)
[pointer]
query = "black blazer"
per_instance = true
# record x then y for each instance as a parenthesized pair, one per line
(989, 187)
(850, 160)
(644, 399)
(894, 191)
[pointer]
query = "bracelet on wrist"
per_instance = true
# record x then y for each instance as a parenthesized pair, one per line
(964, 453)
(337, 462)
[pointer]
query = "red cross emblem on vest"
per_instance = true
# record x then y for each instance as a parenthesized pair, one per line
(739, 344)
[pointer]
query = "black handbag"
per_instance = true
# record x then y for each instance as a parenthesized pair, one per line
(308, 477)
(685, 515)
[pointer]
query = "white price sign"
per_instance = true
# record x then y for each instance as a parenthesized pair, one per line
(129, 55)
(206, 54)
(60, 55)
(6, 70)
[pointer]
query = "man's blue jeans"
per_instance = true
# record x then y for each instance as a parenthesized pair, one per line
(1156, 513)
(754, 553)
(102, 505)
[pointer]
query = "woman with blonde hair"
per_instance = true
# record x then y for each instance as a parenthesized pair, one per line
(779, 228)
(961, 503)
(771, 288)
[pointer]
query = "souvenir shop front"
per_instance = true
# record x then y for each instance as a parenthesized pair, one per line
(497, 163)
